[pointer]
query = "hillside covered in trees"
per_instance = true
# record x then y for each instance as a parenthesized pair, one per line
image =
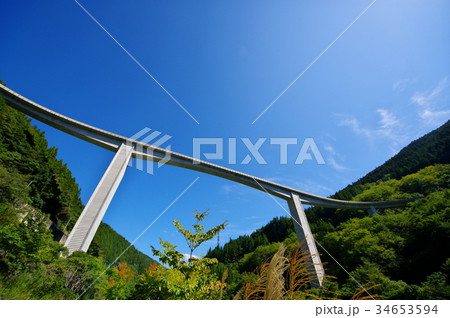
(108, 244)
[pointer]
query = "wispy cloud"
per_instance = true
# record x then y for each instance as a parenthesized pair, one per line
(427, 98)
(389, 128)
(186, 257)
(331, 158)
(353, 123)
(330, 149)
(429, 104)
(402, 84)
(388, 120)
(431, 109)
(336, 166)
(388, 125)
(434, 117)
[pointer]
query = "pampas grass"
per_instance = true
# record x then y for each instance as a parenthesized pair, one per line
(287, 277)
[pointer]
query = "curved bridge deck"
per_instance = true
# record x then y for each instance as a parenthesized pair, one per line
(113, 141)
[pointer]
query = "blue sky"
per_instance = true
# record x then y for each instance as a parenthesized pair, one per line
(382, 84)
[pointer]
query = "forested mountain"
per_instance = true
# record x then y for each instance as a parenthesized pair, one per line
(33, 180)
(109, 245)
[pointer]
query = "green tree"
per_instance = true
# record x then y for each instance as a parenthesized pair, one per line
(120, 284)
(27, 244)
(191, 279)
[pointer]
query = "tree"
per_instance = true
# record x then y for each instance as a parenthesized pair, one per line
(191, 279)
(194, 240)
(120, 284)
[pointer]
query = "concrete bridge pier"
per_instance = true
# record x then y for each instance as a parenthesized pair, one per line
(305, 237)
(84, 230)
(372, 211)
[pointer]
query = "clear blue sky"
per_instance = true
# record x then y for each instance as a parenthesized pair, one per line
(382, 84)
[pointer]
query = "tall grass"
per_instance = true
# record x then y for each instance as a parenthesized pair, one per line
(287, 277)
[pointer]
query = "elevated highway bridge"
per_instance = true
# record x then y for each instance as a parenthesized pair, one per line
(125, 148)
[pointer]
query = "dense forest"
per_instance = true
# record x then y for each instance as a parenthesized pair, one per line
(400, 253)
(108, 244)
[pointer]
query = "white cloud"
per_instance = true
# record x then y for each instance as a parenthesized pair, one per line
(330, 149)
(186, 257)
(230, 232)
(388, 120)
(401, 85)
(428, 104)
(388, 125)
(433, 117)
(331, 158)
(389, 128)
(332, 162)
(353, 123)
(426, 99)
(431, 110)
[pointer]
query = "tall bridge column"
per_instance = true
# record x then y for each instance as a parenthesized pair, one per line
(87, 224)
(305, 237)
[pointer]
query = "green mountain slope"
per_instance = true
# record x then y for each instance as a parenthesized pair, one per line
(108, 244)
(33, 179)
